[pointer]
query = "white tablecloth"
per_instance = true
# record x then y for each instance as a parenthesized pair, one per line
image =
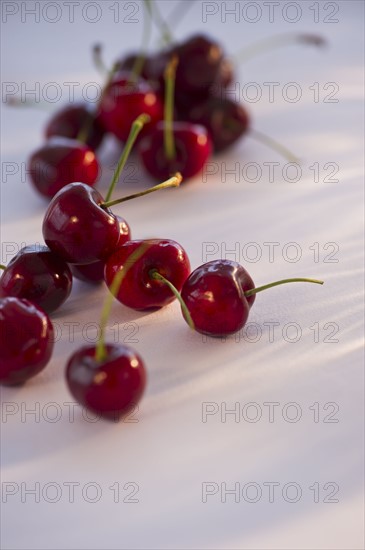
(160, 479)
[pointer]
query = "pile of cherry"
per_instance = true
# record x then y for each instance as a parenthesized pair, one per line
(85, 239)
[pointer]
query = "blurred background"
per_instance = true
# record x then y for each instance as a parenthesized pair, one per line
(285, 468)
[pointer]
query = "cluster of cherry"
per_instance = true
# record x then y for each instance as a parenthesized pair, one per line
(87, 240)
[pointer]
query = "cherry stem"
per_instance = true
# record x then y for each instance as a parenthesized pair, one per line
(136, 128)
(174, 181)
(2, 266)
(253, 291)
(86, 127)
(275, 145)
(169, 140)
(98, 59)
(85, 130)
(163, 27)
(276, 42)
(158, 277)
(146, 37)
(100, 351)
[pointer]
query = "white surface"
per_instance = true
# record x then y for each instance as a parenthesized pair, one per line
(170, 452)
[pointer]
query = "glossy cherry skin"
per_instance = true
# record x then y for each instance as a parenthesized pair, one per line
(193, 149)
(26, 340)
(94, 273)
(38, 275)
(62, 161)
(138, 289)
(200, 60)
(225, 120)
(78, 228)
(110, 388)
(214, 296)
(123, 101)
(71, 120)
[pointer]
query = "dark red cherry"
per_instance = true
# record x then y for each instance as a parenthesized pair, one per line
(94, 273)
(214, 296)
(152, 69)
(62, 161)
(39, 275)
(26, 340)
(73, 120)
(123, 101)
(78, 228)
(225, 120)
(193, 149)
(138, 289)
(111, 387)
(200, 60)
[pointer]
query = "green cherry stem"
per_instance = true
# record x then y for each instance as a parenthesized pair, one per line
(174, 181)
(169, 140)
(2, 266)
(275, 145)
(146, 37)
(136, 128)
(268, 44)
(98, 59)
(163, 27)
(86, 128)
(158, 277)
(282, 282)
(100, 351)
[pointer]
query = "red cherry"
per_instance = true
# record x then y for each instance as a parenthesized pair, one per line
(110, 387)
(192, 145)
(138, 289)
(214, 296)
(200, 60)
(73, 120)
(123, 101)
(26, 340)
(78, 228)
(225, 120)
(94, 273)
(62, 161)
(218, 296)
(38, 275)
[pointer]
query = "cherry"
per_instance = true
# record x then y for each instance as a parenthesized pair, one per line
(72, 121)
(123, 100)
(62, 161)
(94, 273)
(214, 296)
(110, 387)
(139, 289)
(78, 227)
(108, 379)
(38, 275)
(200, 60)
(225, 120)
(219, 295)
(26, 340)
(172, 146)
(192, 150)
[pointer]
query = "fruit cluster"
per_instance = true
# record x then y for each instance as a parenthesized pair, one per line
(85, 239)
(183, 90)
